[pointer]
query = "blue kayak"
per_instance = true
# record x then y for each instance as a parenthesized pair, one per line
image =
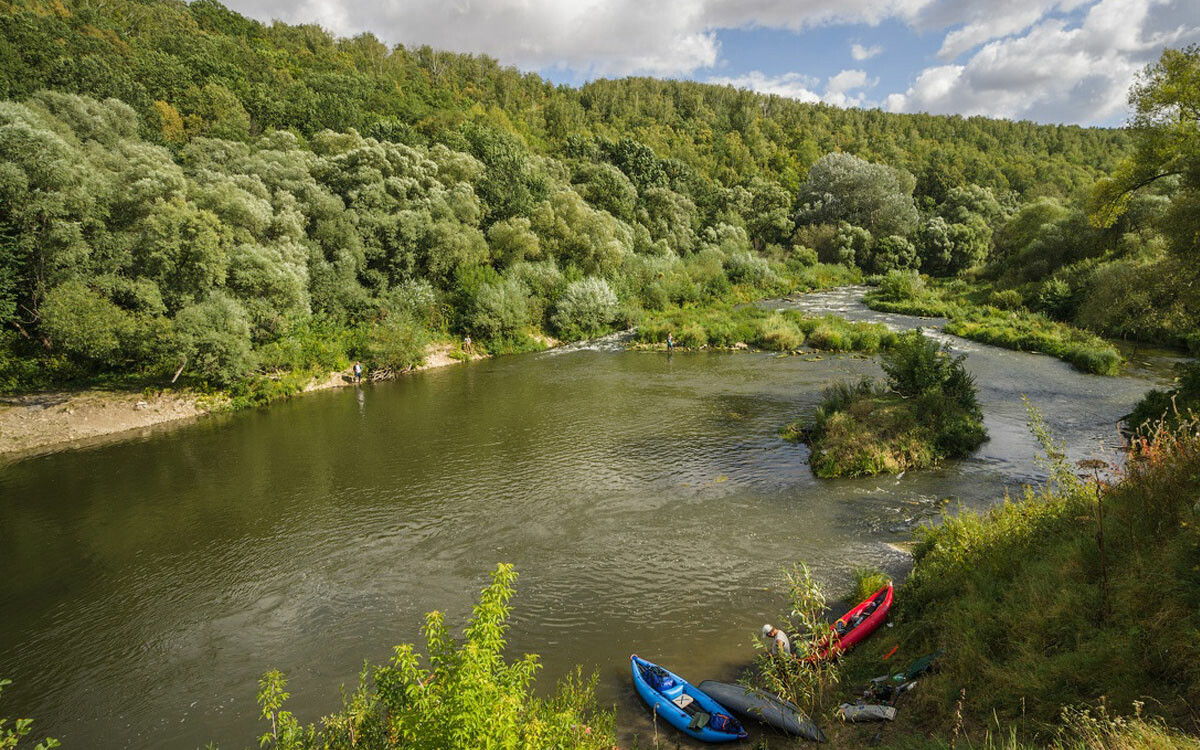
(684, 705)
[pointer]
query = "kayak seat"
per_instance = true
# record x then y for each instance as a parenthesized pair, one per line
(673, 692)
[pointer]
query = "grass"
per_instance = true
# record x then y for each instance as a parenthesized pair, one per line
(866, 582)
(874, 433)
(1046, 602)
(729, 327)
(994, 317)
(927, 411)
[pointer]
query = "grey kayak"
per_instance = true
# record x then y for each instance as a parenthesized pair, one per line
(749, 703)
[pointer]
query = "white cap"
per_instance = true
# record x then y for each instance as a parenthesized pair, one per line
(767, 631)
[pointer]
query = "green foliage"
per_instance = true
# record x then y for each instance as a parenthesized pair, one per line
(131, 164)
(1171, 406)
(396, 344)
(586, 309)
(725, 327)
(843, 187)
(808, 685)
(1036, 333)
(866, 582)
(214, 340)
(501, 312)
(464, 695)
(927, 412)
(1007, 325)
(1033, 618)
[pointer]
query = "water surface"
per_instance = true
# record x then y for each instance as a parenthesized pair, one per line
(645, 499)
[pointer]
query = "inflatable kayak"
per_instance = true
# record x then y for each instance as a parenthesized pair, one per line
(684, 705)
(758, 705)
(854, 626)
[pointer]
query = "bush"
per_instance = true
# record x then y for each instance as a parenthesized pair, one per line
(901, 285)
(779, 334)
(928, 412)
(468, 696)
(1009, 299)
(397, 343)
(693, 336)
(214, 337)
(500, 311)
(746, 268)
(586, 309)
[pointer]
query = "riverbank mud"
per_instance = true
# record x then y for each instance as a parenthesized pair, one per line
(40, 422)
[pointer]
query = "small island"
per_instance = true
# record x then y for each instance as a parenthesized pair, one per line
(925, 412)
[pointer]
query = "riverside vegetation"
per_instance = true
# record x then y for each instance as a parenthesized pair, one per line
(1067, 616)
(978, 312)
(204, 198)
(927, 411)
(192, 195)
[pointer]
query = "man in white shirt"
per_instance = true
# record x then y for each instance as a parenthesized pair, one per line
(781, 645)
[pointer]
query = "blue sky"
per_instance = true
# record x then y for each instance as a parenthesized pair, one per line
(1069, 61)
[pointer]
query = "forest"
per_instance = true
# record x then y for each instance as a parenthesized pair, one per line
(191, 194)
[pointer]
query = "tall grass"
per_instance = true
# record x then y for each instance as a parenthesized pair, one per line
(727, 327)
(1072, 594)
(926, 412)
(994, 317)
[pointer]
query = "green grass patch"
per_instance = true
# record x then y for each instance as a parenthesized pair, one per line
(729, 327)
(927, 411)
(1074, 595)
(979, 313)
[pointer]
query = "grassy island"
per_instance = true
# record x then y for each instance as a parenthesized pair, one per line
(994, 317)
(927, 411)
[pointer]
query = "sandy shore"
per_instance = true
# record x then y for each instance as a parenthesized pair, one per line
(37, 422)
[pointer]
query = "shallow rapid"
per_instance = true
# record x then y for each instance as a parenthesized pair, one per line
(646, 501)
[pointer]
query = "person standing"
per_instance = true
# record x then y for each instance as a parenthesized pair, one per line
(467, 347)
(670, 341)
(358, 372)
(779, 640)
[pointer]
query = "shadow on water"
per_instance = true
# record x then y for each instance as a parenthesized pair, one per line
(646, 501)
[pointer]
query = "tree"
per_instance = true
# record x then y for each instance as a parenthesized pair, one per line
(587, 308)
(214, 340)
(842, 187)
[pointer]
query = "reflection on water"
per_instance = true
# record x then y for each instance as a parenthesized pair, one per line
(646, 501)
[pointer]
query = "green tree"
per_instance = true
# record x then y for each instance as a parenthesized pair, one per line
(843, 187)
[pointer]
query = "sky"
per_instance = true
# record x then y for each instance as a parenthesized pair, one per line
(1050, 61)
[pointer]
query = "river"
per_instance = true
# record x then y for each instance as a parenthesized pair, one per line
(645, 500)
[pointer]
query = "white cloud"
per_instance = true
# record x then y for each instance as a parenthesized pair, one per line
(1055, 71)
(791, 85)
(860, 53)
(1013, 58)
(839, 89)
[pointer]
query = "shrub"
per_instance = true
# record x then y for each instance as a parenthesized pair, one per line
(500, 311)
(468, 696)
(397, 343)
(746, 268)
(1009, 299)
(777, 333)
(693, 336)
(214, 337)
(586, 309)
(803, 256)
(928, 412)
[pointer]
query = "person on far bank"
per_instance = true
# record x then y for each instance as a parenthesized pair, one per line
(670, 341)
(358, 372)
(467, 347)
(780, 645)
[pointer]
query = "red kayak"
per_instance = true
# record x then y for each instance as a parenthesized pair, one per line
(855, 625)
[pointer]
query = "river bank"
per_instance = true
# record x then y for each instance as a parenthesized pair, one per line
(317, 533)
(35, 423)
